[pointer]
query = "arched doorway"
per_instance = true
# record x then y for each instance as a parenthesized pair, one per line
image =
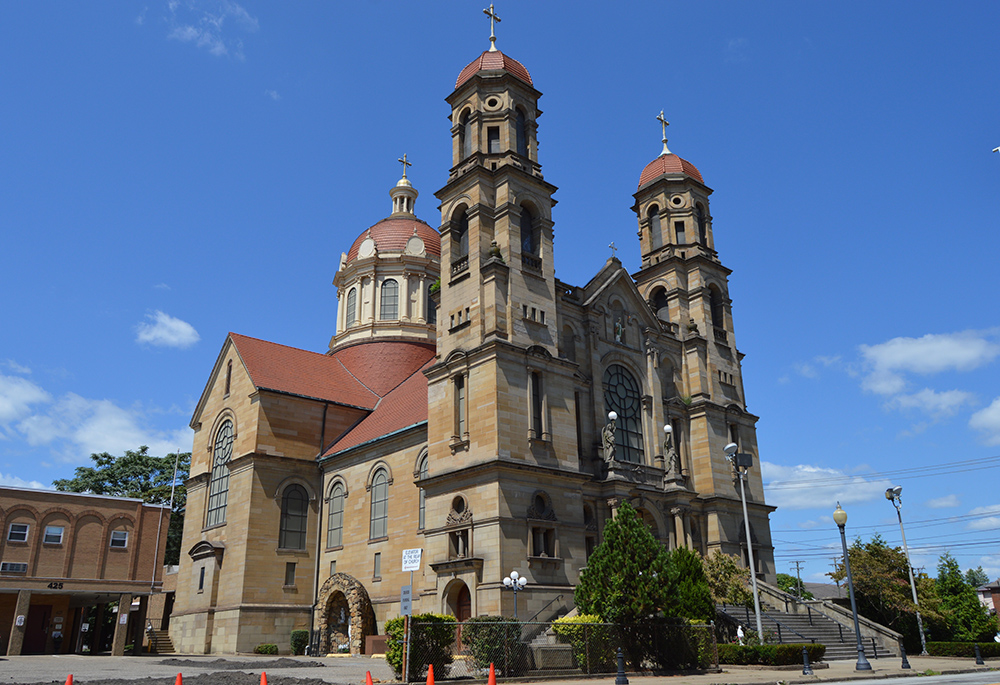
(345, 615)
(458, 602)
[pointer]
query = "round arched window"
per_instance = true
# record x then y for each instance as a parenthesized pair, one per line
(622, 395)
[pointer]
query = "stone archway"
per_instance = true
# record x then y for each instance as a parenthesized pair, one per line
(345, 614)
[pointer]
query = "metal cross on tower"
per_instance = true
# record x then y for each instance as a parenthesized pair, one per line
(402, 160)
(613, 250)
(664, 123)
(494, 19)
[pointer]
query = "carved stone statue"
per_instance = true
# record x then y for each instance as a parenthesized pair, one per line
(608, 439)
(619, 330)
(671, 458)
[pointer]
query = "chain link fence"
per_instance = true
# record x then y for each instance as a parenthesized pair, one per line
(466, 650)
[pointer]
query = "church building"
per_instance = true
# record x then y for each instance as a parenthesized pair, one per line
(471, 405)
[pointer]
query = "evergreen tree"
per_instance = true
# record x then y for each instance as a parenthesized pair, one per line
(976, 577)
(967, 619)
(688, 594)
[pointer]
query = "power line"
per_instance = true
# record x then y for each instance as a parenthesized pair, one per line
(899, 474)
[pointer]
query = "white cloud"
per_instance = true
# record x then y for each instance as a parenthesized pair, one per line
(16, 397)
(165, 331)
(273, 94)
(15, 482)
(162, 286)
(945, 502)
(209, 29)
(887, 362)
(141, 19)
(16, 368)
(991, 518)
(804, 486)
(936, 404)
(987, 421)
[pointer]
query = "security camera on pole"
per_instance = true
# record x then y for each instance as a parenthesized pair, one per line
(741, 464)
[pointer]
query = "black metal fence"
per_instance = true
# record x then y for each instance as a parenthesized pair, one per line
(466, 650)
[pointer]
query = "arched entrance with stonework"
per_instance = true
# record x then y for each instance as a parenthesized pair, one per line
(345, 615)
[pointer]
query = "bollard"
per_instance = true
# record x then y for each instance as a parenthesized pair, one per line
(806, 668)
(621, 679)
(979, 657)
(905, 664)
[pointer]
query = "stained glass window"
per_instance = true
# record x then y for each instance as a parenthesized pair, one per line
(622, 395)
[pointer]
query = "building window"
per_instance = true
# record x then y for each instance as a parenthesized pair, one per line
(715, 306)
(537, 407)
(465, 135)
(201, 580)
(432, 312)
(521, 130)
(493, 139)
(229, 376)
(462, 239)
(655, 232)
(53, 535)
(529, 238)
(294, 516)
(422, 473)
(352, 307)
(289, 574)
(119, 539)
(389, 307)
(699, 217)
(218, 487)
(460, 415)
(679, 230)
(335, 521)
(18, 532)
(380, 506)
(333, 567)
(621, 395)
(377, 567)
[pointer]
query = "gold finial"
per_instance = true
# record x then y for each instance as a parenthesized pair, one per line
(664, 123)
(405, 164)
(493, 19)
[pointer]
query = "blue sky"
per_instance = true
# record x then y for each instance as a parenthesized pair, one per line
(172, 171)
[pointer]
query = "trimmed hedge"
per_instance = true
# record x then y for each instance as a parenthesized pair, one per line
(593, 642)
(988, 650)
(300, 638)
(266, 648)
(770, 655)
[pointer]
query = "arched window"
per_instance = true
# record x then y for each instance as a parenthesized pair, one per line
(660, 305)
(529, 240)
(655, 233)
(522, 133)
(380, 506)
(465, 135)
(218, 485)
(421, 474)
(229, 375)
(335, 520)
(389, 307)
(699, 217)
(432, 312)
(622, 395)
(715, 304)
(352, 307)
(462, 239)
(294, 515)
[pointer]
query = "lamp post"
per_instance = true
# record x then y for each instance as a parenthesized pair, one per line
(840, 518)
(741, 462)
(515, 581)
(893, 495)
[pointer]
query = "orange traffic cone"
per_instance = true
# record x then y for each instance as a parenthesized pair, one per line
(368, 678)
(179, 680)
(263, 678)
(69, 679)
(493, 676)
(430, 674)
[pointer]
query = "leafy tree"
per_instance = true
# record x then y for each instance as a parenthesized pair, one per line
(140, 475)
(793, 586)
(976, 577)
(967, 619)
(689, 595)
(728, 581)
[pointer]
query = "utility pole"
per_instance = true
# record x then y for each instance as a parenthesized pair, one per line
(798, 575)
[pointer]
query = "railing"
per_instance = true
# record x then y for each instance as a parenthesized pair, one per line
(721, 335)
(529, 262)
(460, 265)
(547, 605)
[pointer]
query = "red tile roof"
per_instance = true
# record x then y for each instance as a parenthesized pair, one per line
(668, 164)
(382, 365)
(493, 61)
(391, 235)
(403, 407)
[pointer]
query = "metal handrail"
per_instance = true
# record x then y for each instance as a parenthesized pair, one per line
(554, 599)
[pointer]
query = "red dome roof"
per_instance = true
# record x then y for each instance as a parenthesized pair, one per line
(494, 61)
(668, 164)
(391, 235)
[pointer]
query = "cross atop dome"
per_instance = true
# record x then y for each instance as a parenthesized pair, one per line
(664, 123)
(403, 194)
(494, 19)
(405, 164)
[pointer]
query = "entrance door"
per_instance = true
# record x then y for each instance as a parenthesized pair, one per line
(463, 612)
(36, 629)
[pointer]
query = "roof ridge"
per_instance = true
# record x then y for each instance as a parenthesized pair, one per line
(271, 342)
(363, 384)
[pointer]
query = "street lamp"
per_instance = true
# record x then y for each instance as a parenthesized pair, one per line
(840, 518)
(893, 495)
(741, 462)
(515, 581)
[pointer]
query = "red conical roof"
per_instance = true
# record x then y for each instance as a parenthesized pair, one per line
(494, 61)
(669, 164)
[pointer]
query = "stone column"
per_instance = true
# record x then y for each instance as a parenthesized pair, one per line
(139, 625)
(422, 303)
(688, 539)
(404, 312)
(678, 515)
(17, 631)
(614, 503)
(341, 314)
(121, 625)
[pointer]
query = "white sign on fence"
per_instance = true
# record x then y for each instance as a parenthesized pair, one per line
(411, 559)
(406, 600)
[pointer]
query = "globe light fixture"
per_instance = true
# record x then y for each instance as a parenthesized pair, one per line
(840, 518)
(515, 581)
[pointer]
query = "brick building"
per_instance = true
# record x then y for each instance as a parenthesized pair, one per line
(65, 557)
(464, 408)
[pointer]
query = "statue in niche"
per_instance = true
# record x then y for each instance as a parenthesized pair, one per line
(671, 457)
(608, 439)
(619, 331)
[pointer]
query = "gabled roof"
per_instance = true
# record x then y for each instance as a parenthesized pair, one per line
(403, 407)
(614, 275)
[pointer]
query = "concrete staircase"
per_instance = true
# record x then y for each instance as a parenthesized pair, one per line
(159, 641)
(811, 626)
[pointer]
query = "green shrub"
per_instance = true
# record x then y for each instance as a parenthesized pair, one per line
(300, 638)
(593, 642)
(769, 655)
(432, 637)
(266, 648)
(496, 640)
(988, 650)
